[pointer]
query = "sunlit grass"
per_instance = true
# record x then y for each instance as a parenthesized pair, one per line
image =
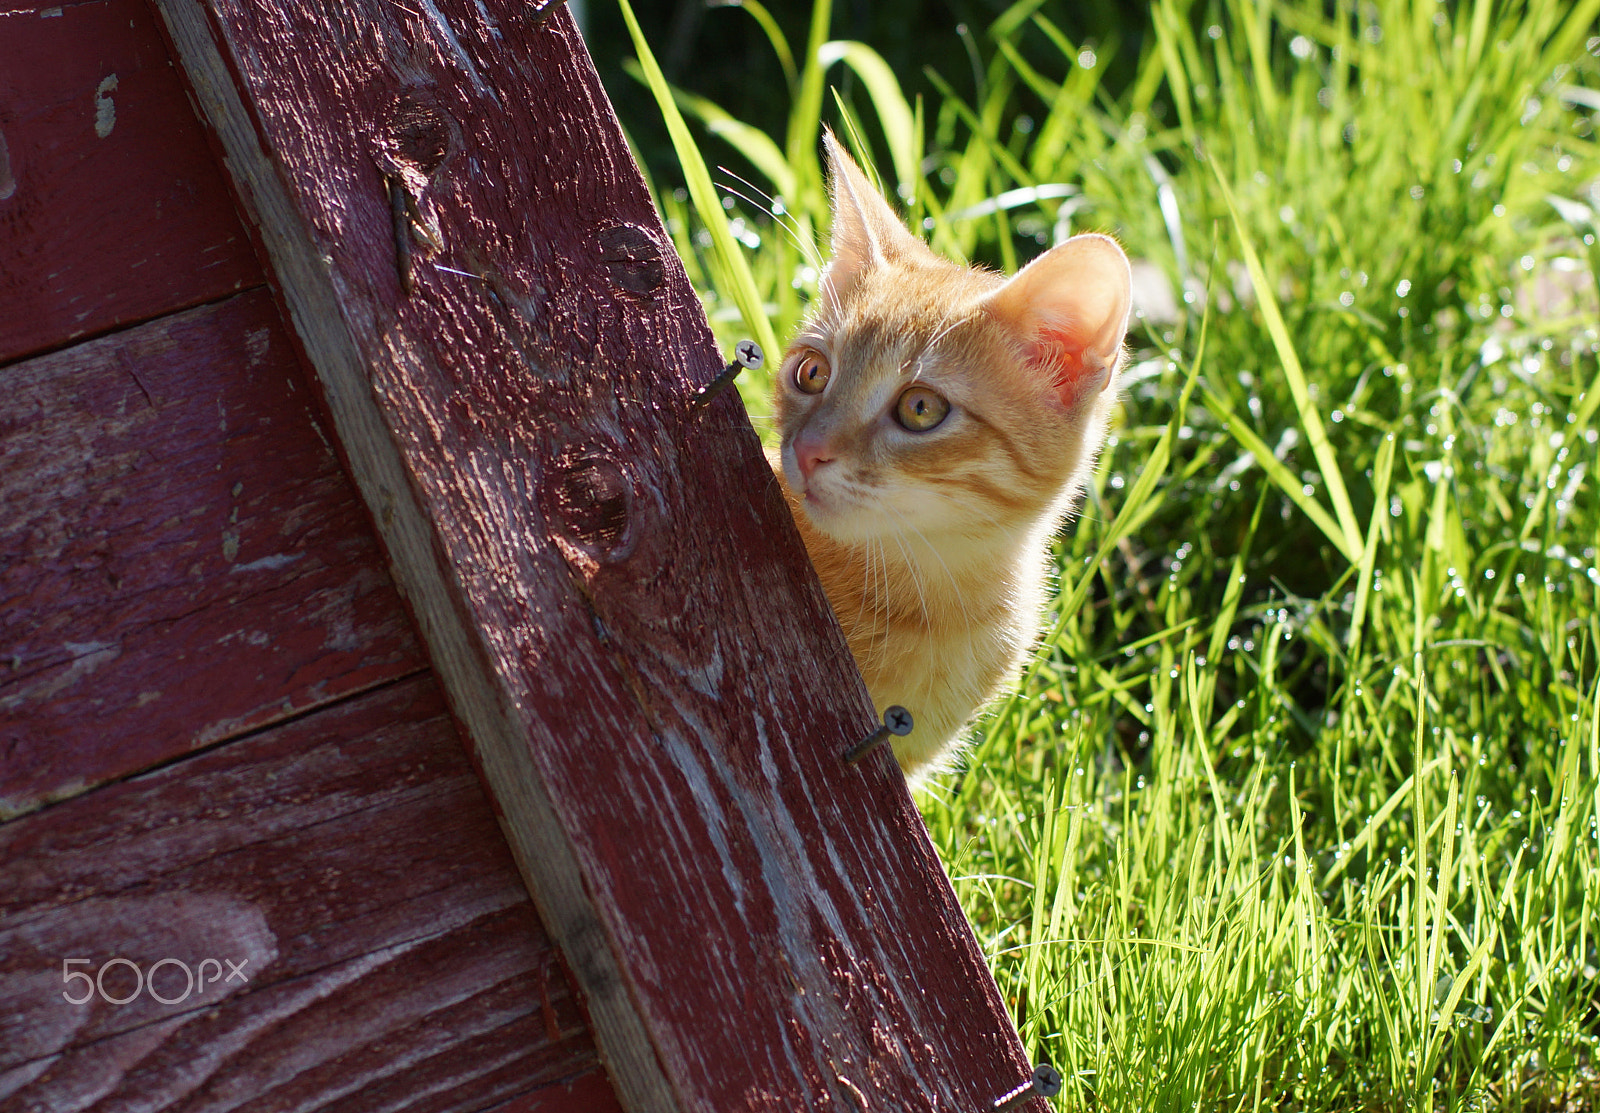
(1299, 807)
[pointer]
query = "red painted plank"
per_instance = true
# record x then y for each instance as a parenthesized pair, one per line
(612, 589)
(588, 1093)
(111, 208)
(181, 556)
(349, 865)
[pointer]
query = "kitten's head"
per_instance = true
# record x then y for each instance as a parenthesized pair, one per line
(924, 396)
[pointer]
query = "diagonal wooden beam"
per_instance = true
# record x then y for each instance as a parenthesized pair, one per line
(606, 577)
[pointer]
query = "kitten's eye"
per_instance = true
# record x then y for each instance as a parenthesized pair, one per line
(920, 409)
(813, 374)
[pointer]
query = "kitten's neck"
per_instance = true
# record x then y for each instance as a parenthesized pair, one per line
(978, 566)
(939, 584)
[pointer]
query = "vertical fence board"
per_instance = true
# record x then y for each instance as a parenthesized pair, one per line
(607, 580)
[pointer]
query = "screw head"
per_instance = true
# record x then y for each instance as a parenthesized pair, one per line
(747, 353)
(898, 720)
(1046, 1080)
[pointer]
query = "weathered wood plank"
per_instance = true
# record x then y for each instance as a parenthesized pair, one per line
(349, 865)
(588, 1093)
(111, 207)
(608, 581)
(181, 556)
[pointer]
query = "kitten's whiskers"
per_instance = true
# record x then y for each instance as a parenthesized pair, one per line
(785, 219)
(941, 331)
(957, 590)
(911, 571)
(888, 594)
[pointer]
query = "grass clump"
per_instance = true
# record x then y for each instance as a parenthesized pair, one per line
(1299, 806)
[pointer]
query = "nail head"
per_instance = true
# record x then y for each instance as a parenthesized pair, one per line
(896, 720)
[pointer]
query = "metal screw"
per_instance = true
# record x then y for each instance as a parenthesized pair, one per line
(1045, 1083)
(896, 720)
(746, 355)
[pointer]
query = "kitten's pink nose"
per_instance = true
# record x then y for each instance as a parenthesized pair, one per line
(809, 452)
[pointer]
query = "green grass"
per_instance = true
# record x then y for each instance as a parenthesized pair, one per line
(1299, 806)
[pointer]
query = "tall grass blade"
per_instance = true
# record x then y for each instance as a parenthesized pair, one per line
(703, 193)
(894, 113)
(1310, 418)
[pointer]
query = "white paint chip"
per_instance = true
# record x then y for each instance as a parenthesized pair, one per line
(105, 109)
(267, 563)
(256, 343)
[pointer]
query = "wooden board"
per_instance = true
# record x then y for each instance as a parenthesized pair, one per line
(111, 208)
(181, 557)
(374, 946)
(607, 579)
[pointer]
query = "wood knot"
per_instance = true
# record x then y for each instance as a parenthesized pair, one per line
(589, 502)
(633, 258)
(419, 136)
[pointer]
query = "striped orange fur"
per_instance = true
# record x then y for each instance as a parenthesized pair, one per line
(932, 540)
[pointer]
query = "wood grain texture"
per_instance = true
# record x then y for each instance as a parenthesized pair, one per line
(349, 865)
(111, 207)
(608, 581)
(181, 557)
(587, 1093)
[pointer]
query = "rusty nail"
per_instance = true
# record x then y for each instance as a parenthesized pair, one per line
(402, 231)
(746, 355)
(1045, 1083)
(896, 720)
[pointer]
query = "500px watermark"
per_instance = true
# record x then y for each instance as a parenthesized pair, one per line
(144, 981)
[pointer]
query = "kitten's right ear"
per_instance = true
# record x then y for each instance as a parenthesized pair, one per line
(866, 231)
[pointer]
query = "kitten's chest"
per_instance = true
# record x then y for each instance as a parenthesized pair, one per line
(964, 642)
(944, 672)
(929, 640)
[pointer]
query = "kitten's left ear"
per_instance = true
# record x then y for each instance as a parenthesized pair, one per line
(1069, 310)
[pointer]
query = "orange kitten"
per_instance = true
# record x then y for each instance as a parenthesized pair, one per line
(937, 424)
